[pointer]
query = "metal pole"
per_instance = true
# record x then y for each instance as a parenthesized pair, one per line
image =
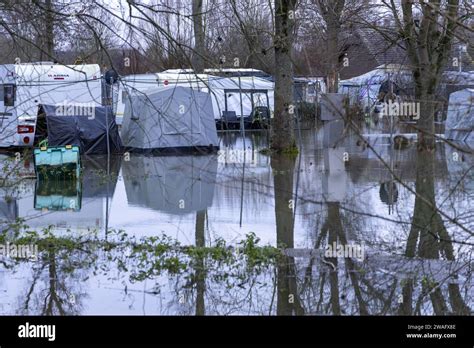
(242, 132)
(242, 124)
(299, 162)
(107, 122)
(460, 59)
(108, 158)
(242, 192)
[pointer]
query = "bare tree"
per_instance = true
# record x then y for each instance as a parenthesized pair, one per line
(283, 139)
(331, 12)
(427, 29)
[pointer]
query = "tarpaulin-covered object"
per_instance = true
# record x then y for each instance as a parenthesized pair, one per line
(169, 119)
(82, 126)
(460, 120)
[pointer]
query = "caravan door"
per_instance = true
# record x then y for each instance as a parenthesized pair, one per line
(8, 102)
(8, 122)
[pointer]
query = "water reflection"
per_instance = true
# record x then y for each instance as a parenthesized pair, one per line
(207, 235)
(58, 195)
(176, 185)
(80, 205)
(288, 302)
(429, 239)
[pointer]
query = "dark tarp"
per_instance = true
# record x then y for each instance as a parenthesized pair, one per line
(89, 132)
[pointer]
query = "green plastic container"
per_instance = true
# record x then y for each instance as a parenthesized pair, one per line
(63, 162)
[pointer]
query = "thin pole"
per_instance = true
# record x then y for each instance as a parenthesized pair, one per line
(459, 60)
(242, 124)
(242, 192)
(242, 131)
(299, 162)
(108, 159)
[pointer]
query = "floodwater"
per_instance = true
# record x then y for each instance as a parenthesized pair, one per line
(243, 232)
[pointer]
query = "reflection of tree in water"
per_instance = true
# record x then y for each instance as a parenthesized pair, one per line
(429, 239)
(288, 300)
(200, 266)
(332, 231)
(56, 284)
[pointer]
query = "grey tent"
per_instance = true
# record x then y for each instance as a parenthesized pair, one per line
(171, 184)
(460, 120)
(81, 125)
(167, 119)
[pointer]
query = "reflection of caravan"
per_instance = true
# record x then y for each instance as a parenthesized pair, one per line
(24, 86)
(226, 93)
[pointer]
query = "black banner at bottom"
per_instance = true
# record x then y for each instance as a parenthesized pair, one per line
(136, 331)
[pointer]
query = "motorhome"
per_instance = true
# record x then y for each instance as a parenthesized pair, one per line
(24, 86)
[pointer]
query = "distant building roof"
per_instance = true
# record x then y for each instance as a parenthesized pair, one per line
(368, 48)
(383, 45)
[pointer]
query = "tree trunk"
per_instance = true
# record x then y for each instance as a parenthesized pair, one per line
(333, 53)
(49, 32)
(282, 139)
(199, 55)
(428, 36)
(331, 11)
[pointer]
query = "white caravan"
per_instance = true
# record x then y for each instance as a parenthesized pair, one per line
(226, 93)
(24, 86)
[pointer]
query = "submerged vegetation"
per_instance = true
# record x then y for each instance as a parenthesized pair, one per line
(149, 257)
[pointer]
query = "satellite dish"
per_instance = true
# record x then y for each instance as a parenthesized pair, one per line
(111, 76)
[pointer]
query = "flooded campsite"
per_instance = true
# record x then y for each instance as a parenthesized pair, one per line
(242, 232)
(209, 166)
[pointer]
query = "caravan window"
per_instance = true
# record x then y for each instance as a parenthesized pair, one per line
(9, 95)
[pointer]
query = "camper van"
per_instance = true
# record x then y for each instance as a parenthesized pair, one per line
(24, 86)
